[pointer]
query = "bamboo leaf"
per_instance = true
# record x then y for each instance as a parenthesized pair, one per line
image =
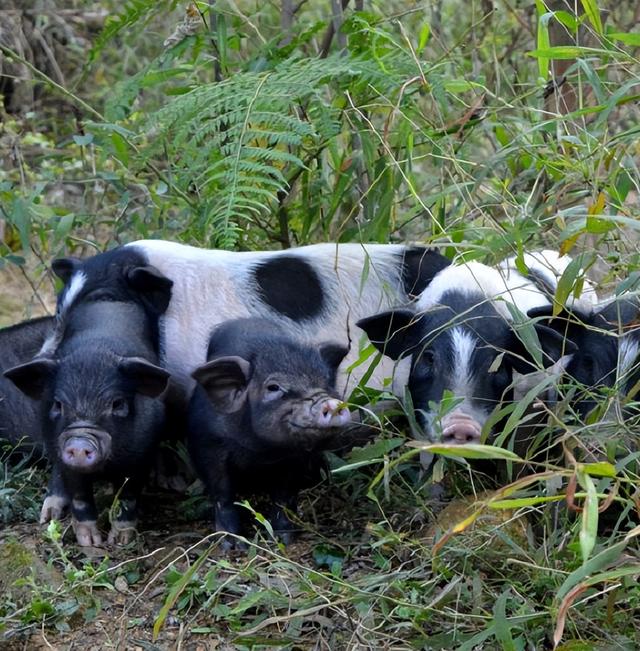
(589, 528)
(467, 451)
(628, 38)
(593, 14)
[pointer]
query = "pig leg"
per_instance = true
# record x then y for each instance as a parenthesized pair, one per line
(123, 525)
(83, 511)
(57, 500)
(283, 500)
(227, 516)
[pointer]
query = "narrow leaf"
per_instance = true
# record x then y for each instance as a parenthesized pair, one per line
(593, 13)
(589, 528)
(467, 451)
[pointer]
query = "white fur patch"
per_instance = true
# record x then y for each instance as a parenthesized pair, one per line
(78, 281)
(211, 286)
(627, 356)
(464, 345)
(550, 266)
(51, 343)
(476, 278)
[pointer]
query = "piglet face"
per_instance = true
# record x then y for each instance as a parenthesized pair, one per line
(90, 403)
(287, 402)
(463, 350)
(293, 411)
(456, 383)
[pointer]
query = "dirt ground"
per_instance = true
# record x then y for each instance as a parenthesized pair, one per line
(136, 590)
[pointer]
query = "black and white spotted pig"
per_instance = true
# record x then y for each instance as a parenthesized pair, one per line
(100, 416)
(264, 409)
(461, 338)
(316, 293)
(20, 421)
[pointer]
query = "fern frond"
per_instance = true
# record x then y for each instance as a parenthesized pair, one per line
(132, 12)
(240, 140)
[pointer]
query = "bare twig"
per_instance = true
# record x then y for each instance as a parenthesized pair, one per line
(286, 21)
(331, 30)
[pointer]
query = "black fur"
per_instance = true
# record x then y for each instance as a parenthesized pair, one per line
(19, 416)
(419, 266)
(595, 362)
(120, 275)
(289, 285)
(103, 379)
(248, 445)
(427, 337)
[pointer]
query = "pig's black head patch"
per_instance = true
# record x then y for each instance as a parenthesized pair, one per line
(121, 274)
(608, 346)
(419, 266)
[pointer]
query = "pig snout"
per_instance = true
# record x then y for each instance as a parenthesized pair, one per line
(84, 447)
(332, 413)
(80, 452)
(459, 428)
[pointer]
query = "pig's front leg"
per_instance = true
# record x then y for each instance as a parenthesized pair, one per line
(283, 499)
(123, 524)
(227, 516)
(57, 499)
(83, 511)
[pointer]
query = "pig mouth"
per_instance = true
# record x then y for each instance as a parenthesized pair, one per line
(84, 447)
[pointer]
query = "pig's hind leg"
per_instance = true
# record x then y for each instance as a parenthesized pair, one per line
(227, 515)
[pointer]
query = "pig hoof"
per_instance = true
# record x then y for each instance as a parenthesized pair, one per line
(231, 544)
(87, 533)
(122, 532)
(53, 508)
(286, 537)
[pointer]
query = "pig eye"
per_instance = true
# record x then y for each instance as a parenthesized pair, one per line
(423, 365)
(119, 407)
(273, 391)
(56, 409)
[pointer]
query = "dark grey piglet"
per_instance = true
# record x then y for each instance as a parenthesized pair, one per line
(99, 414)
(264, 409)
(20, 421)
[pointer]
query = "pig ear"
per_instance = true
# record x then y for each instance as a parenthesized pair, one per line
(226, 381)
(333, 354)
(622, 311)
(153, 286)
(554, 346)
(64, 268)
(32, 378)
(390, 332)
(149, 379)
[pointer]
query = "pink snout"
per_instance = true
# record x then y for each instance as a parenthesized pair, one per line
(331, 414)
(459, 428)
(81, 453)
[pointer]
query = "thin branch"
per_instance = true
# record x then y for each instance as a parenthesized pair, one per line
(331, 30)
(286, 21)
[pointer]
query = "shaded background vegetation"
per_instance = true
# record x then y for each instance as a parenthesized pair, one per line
(487, 127)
